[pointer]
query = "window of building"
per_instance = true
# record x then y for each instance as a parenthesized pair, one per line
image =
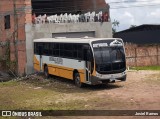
(7, 22)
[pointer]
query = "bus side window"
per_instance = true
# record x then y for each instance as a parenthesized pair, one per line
(79, 52)
(86, 53)
(40, 49)
(69, 50)
(61, 50)
(35, 48)
(50, 49)
(56, 49)
(75, 47)
(46, 47)
(75, 51)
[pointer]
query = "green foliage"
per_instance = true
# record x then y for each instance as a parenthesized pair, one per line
(146, 68)
(7, 54)
(9, 64)
(132, 26)
(115, 24)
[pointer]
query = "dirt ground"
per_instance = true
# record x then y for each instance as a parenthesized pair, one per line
(141, 91)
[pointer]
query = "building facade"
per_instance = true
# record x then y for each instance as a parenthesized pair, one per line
(17, 30)
(14, 14)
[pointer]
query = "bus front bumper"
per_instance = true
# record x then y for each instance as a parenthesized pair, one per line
(109, 78)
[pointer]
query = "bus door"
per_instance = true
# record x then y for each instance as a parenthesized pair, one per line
(40, 47)
(87, 64)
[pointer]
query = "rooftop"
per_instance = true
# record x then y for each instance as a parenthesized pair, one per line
(72, 40)
(145, 27)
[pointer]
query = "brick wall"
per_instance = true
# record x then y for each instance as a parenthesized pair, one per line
(16, 33)
(98, 5)
(144, 55)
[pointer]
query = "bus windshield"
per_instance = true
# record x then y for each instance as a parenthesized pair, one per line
(109, 54)
(109, 59)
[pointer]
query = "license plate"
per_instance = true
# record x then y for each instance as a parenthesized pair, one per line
(112, 79)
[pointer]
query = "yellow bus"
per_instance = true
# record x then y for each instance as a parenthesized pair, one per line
(84, 60)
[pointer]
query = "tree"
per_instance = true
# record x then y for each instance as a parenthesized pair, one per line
(115, 24)
(132, 26)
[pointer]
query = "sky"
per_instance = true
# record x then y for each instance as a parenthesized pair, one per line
(148, 14)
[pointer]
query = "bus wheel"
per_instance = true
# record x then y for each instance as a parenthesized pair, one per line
(78, 80)
(46, 72)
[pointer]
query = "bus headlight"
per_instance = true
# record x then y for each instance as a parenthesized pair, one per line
(99, 75)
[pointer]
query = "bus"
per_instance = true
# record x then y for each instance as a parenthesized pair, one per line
(83, 60)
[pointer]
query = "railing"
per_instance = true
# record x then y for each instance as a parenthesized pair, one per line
(71, 18)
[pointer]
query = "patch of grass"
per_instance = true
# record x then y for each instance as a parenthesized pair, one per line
(9, 83)
(146, 68)
(29, 95)
(18, 95)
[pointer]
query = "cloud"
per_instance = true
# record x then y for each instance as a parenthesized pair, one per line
(155, 14)
(134, 15)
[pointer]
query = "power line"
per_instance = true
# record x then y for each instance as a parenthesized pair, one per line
(59, 2)
(121, 7)
(132, 2)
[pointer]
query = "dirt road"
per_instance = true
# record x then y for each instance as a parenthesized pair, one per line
(141, 91)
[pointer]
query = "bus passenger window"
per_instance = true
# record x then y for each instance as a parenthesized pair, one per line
(80, 55)
(46, 48)
(35, 48)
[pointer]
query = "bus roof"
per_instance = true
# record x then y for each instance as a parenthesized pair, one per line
(72, 40)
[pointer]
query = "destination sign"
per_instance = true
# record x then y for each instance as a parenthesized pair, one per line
(100, 45)
(107, 43)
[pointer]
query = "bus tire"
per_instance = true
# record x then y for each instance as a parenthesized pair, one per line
(77, 80)
(46, 71)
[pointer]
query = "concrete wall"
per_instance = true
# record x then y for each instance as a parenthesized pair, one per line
(46, 30)
(36, 31)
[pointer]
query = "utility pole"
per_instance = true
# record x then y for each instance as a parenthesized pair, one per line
(15, 38)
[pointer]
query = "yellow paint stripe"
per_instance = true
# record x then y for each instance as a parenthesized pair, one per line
(61, 71)
(94, 70)
(36, 60)
(37, 67)
(65, 72)
(65, 68)
(36, 64)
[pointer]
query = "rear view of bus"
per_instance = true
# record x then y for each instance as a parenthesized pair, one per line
(109, 61)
